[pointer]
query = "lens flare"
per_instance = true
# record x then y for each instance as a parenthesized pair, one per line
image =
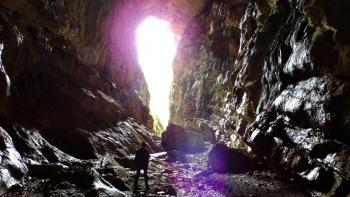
(156, 48)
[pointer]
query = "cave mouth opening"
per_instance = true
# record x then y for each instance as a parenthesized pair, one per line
(156, 48)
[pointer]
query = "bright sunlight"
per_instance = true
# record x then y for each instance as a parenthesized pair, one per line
(156, 48)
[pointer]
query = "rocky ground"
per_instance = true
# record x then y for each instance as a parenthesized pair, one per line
(193, 179)
(171, 174)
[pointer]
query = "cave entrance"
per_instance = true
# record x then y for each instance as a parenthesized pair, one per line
(156, 48)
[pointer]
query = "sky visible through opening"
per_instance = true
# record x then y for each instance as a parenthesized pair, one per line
(156, 48)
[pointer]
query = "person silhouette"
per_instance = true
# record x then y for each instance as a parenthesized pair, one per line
(141, 163)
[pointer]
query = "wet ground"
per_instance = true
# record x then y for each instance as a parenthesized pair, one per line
(193, 180)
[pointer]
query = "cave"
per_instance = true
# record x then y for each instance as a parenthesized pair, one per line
(254, 97)
(156, 48)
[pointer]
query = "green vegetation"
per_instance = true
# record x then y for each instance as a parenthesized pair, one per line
(157, 125)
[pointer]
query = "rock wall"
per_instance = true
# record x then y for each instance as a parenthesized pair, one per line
(202, 88)
(69, 92)
(56, 58)
(73, 100)
(275, 77)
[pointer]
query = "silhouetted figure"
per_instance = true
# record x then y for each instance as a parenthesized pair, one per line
(141, 163)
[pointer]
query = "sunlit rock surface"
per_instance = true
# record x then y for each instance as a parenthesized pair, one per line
(12, 166)
(176, 137)
(202, 87)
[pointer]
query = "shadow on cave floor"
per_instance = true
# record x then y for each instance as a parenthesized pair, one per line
(111, 176)
(192, 179)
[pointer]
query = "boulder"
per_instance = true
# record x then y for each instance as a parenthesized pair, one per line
(176, 137)
(12, 166)
(80, 181)
(126, 162)
(203, 127)
(223, 159)
(116, 176)
(306, 153)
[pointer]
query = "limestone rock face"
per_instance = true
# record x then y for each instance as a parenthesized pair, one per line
(56, 63)
(68, 97)
(202, 87)
(223, 159)
(274, 77)
(11, 165)
(176, 137)
(72, 92)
